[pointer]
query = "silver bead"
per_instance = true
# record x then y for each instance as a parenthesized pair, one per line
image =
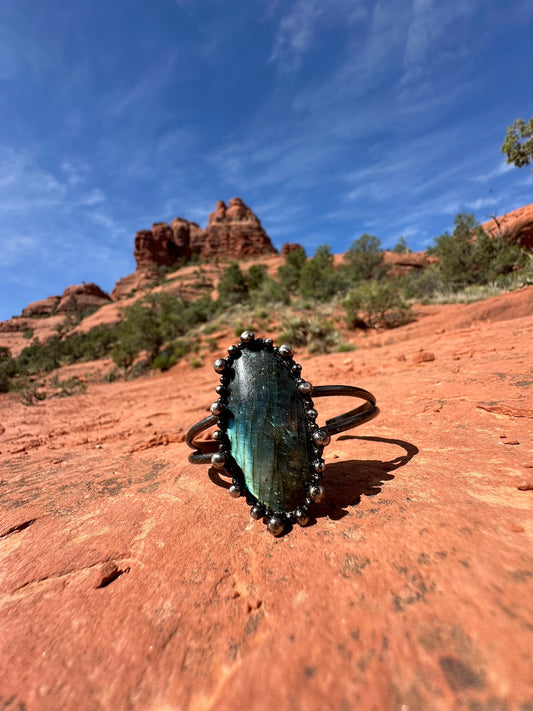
(256, 512)
(217, 407)
(305, 388)
(302, 517)
(219, 365)
(322, 438)
(285, 351)
(316, 492)
(275, 525)
(247, 336)
(234, 491)
(319, 465)
(218, 460)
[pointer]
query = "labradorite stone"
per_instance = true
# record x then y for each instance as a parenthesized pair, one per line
(267, 431)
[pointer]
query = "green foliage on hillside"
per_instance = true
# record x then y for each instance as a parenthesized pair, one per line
(470, 256)
(157, 321)
(159, 330)
(376, 304)
(319, 280)
(8, 369)
(290, 272)
(363, 260)
(317, 333)
(518, 143)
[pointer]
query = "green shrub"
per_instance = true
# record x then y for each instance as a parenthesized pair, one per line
(345, 347)
(375, 304)
(471, 256)
(317, 334)
(256, 276)
(290, 272)
(318, 277)
(423, 283)
(153, 322)
(171, 355)
(67, 387)
(125, 350)
(40, 357)
(28, 391)
(233, 286)
(8, 369)
(363, 260)
(211, 344)
(401, 247)
(112, 375)
(270, 292)
(142, 367)
(92, 345)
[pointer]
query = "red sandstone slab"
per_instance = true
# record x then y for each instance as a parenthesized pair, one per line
(130, 580)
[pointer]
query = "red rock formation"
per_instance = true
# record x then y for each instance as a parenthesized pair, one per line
(289, 247)
(44, 307)
(82, 296)
(516, 226)
(233, 231)
(400, 264)
(219, 214)
(14, 325)
(139, 279)
(155, 247)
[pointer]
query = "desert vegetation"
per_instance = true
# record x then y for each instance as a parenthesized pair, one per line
(310, 303)
(518, 143)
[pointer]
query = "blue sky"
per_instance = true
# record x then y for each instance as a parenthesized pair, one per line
(330, 119)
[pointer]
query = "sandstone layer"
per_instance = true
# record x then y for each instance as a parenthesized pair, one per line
(43, 307)
(82, 297)
(129, 579)
(79, 297)
(516, 226)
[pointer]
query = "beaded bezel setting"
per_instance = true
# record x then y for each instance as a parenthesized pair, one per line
(277, 517)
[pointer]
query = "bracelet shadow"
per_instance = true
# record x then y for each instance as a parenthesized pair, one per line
(347, 481)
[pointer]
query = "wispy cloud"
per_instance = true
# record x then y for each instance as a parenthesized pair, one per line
(481, 203)
(501, 169)
(436, 34)
(295, 33)
(26, 187)
(302, 22)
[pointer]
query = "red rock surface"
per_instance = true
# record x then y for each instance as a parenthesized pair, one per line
(289, 247)
(138, 280)
(44, 307)
(15, 333)
(400, 264)
(235, 232)
(516, 226)
(82, 297)
(129, 579)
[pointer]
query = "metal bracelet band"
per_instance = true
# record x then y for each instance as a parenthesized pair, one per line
(350, 419)
(204, 449)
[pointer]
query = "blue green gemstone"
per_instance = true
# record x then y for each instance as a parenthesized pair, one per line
(267, 431)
